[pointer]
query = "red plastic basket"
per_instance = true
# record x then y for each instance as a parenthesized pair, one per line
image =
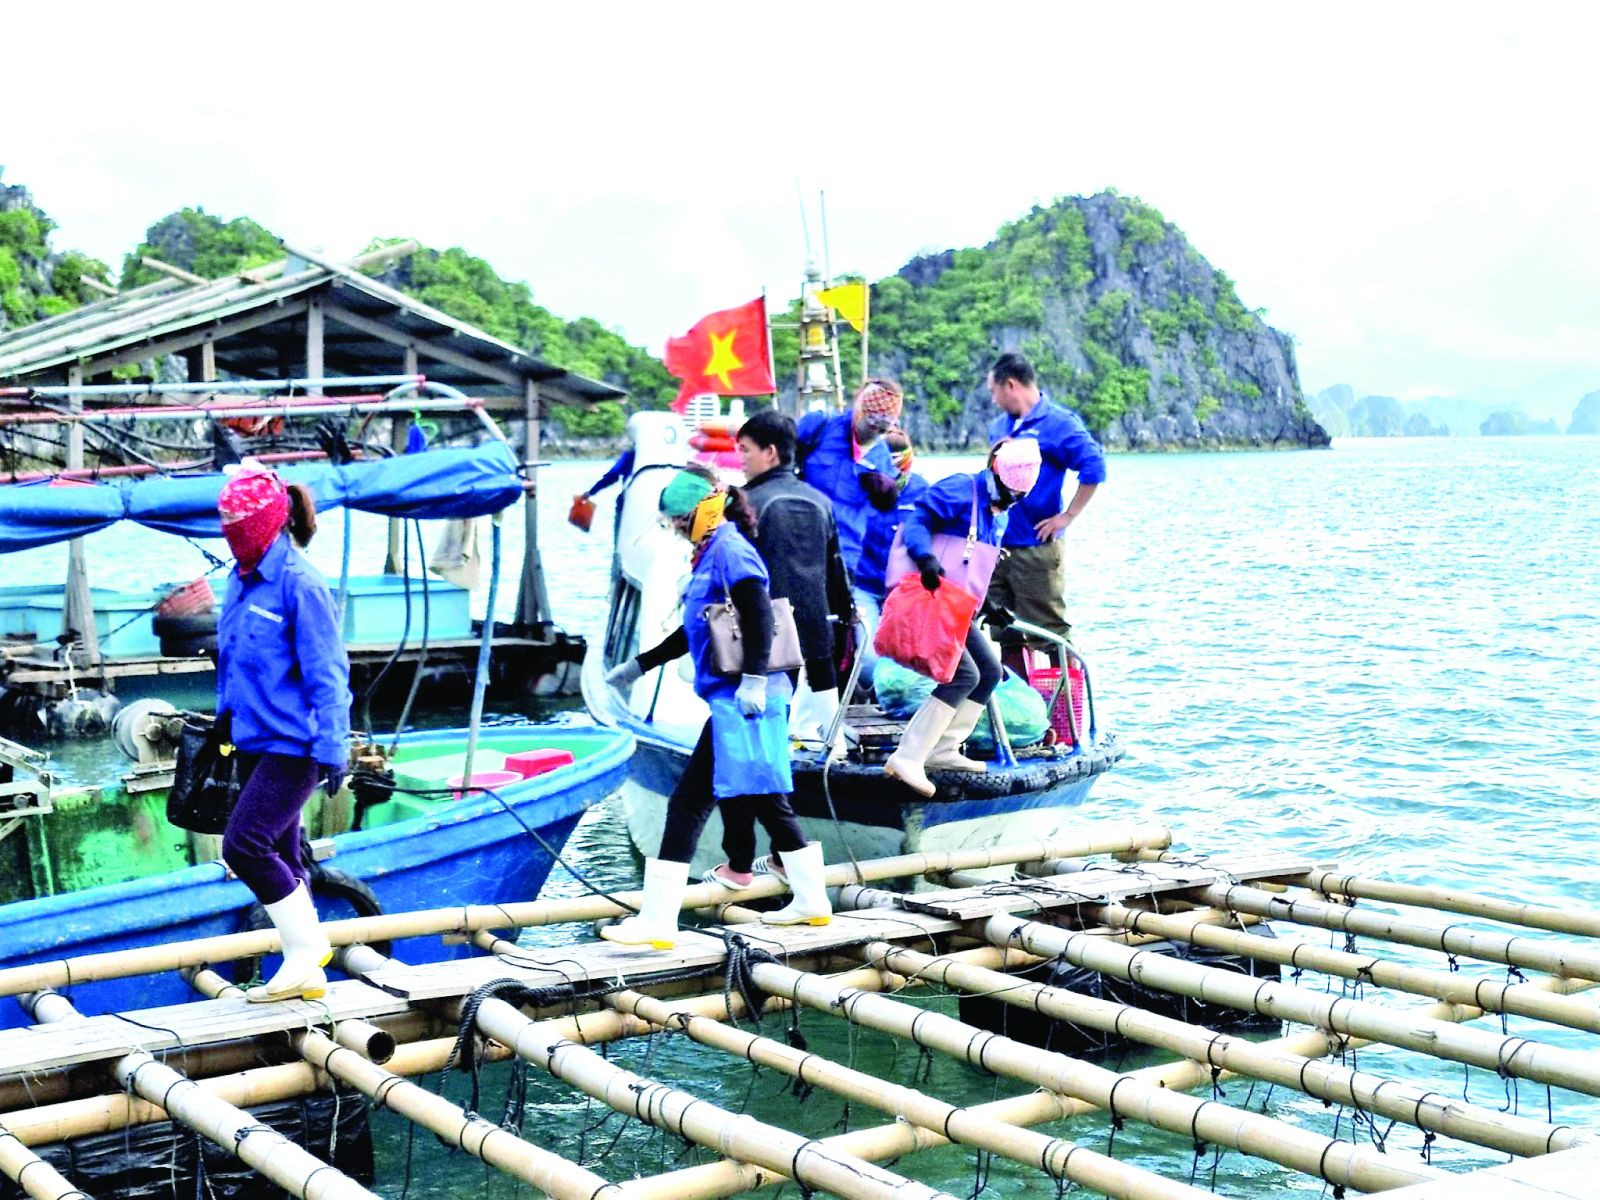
(1043, 680)
(191, 598)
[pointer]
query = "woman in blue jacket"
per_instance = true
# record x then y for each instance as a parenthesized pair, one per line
(740, 765)
(283, 692)
(933, 736)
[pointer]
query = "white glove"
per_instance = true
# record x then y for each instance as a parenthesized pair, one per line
(752, 695)
(625, 674)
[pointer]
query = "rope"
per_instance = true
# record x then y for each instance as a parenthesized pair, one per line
(738, 975)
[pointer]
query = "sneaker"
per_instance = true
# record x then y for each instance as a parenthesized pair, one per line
(768, 864)
(728, 877)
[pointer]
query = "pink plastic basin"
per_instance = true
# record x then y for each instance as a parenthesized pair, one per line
(529, 763)
(485, 779)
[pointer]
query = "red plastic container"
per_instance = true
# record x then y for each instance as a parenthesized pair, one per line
(1043, 680)
(531, 763)
(188, 600)
(484, 779)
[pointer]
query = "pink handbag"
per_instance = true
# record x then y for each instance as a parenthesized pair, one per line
(967, 562)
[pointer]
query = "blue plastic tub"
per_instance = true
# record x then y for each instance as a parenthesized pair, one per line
(375, 611)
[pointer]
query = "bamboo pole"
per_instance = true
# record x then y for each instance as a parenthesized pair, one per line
(1552, 957)
(1095, 839)
(1522, 1057)
(235, 1130)
(1060, 1158)
(713, 1181)
(500, 1148)
(352, 1033)
(1582, 922)
(1489, 994)
(32, 1174)
(1339, 1162)
(1336, 1084)
(697, 1120)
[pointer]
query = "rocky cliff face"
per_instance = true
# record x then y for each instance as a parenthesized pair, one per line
(1124, 319)
(1586, 416)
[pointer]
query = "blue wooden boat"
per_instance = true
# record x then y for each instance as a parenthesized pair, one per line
(413, 852)
(851, 807)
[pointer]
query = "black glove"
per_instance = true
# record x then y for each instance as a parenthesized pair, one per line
(997, 616)
(334, 780)
(931, 571)
(883, 491)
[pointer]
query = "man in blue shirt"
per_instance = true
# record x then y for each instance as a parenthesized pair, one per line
(1031, 579)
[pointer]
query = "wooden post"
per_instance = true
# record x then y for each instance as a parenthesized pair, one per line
(235, 1130)
(399, 429)
(533, 602)
(314, 341)
(77, 616)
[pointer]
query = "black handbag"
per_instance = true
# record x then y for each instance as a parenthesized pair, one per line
(207, 777)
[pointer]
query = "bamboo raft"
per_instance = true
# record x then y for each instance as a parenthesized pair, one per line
(198, 1064)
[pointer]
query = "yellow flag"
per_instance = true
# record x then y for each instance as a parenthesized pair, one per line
(851, 301)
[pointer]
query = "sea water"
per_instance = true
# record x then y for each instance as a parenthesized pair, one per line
(1385, 655)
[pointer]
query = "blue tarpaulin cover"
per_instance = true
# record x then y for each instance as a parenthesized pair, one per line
(438, 484)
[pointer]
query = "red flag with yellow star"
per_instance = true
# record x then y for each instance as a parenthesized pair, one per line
(725, 353)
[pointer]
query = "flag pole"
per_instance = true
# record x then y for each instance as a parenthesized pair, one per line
(833, 321)
(772, 365)
(866, 324)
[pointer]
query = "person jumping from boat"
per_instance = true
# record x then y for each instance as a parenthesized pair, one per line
(935, 733)
(283, 696)
(799, 542)
(844, 456)
(740, 765)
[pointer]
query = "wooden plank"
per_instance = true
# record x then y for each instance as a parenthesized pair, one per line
(425, 348)
(198, 1023)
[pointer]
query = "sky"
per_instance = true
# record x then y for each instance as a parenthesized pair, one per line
(1410, 190)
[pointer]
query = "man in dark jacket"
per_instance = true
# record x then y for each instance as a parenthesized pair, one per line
(799, 541)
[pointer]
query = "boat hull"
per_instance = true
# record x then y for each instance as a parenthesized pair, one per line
(471, 852)
(877, 816)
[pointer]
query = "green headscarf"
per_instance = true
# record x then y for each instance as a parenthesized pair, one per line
(681, 496)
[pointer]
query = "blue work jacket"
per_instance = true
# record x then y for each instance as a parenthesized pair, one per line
(728, 559)
(282, 671)
(621, 469)
(1065, 444)
(880, 539)
(946, 507)
(827, 443)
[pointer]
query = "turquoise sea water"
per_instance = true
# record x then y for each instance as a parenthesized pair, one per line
(1385, 655)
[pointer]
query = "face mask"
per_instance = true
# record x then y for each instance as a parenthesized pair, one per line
(707, 515)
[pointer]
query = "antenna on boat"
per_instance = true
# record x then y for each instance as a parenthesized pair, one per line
(833, 324)
(805, 224)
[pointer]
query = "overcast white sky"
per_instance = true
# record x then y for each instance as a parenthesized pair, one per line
(1409, 189)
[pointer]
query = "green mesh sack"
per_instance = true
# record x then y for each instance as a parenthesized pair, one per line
(901, 691)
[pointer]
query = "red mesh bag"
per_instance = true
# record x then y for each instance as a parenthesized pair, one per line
(925, 631)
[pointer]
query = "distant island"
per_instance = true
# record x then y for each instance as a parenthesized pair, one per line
(1342, 414)
(1125, 320)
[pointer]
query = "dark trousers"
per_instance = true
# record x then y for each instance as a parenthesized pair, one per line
(262, 842)
(977, 675)
(690, 807)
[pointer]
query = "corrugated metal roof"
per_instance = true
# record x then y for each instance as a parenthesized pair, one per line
(359, 308)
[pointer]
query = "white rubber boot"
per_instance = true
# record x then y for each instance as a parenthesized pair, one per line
(810, 904)
(921, 734)
(947, 754)
(657, 922)
(305, 951)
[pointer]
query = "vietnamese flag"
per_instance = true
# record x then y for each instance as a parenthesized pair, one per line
(725, 353)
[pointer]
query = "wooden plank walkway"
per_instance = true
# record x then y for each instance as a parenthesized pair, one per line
(1569, 1175)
